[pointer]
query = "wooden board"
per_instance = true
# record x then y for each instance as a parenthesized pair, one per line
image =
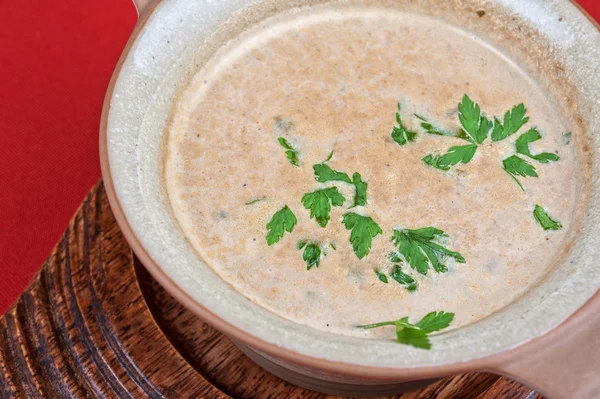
(94, 324)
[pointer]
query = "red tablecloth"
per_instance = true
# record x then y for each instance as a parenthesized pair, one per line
(56, 58)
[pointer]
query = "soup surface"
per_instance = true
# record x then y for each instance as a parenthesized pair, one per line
(332, 81)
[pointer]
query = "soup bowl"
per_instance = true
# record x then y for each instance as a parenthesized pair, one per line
(549, 338)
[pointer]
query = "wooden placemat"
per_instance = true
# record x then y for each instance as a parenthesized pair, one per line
(94, 324)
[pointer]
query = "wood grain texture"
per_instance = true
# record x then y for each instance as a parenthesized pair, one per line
(94, 324)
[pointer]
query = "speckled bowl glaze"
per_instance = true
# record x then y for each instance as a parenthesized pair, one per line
(549, 338)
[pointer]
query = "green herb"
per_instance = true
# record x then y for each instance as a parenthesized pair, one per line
(455, 155)
(311, 255)
(407, 281)
(328, 157)
(360, 195)
(291, 153)
(513, 120)
(416, 334)
(473, 122)
(435, 321)
(545, 220)
(528, 137)
(332, 245)
(319, 203)
(432, 129)
(323, 173)
(254, 201)
(283, 220)
(381, 276)
(421, 252)
(400, 134)
(364, 229)
(394, 258)
(516, 166)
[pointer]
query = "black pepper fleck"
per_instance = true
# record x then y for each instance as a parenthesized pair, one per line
(481, 13)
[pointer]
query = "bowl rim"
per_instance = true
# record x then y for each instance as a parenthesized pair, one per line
(493, 362)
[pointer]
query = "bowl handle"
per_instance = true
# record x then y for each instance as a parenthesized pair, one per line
(140, 5)
(565, 363)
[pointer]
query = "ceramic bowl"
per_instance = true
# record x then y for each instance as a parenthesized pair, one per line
(549, 338)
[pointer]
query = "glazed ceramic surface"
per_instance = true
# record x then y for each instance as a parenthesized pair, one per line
(551, 38)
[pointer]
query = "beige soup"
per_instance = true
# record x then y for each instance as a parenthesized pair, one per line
(334, 78)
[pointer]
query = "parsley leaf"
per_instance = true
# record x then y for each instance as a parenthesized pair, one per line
(319, 203)
(394, 257)
(382, 277)
(364, 229)
(323, 173)
(455, 155)
(432, 129)
(291, 152)
(435, 130)
(360, 196)
(528, 137)
(435, 321)
(416, 334)
(407, 334)
(311, 255)
(513, 120)
(473, 122)
(421, 252)
(400, 134)
(516, 166)
(545, 220)
(283, 220)
(407, 281)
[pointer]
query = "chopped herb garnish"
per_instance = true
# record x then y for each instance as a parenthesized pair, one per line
(435, 321)
(473, 122)
(328, 157)
(332, 245)
(311, 254)
(323, 173)
(416, 334)
(319, 203)
(363, 230)
(394, 258)
(381, 276)
(360, 195)
(421, 252)
(437, 131)
(528, 137)
(407, 281)
(455, 155)
(432, 129)
(516, 166)
(513, 120)
(254, 201)
(291, 152)
(283, 220)
(545, 220)
(400, 134)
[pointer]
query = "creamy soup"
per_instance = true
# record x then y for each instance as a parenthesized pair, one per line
(331, 81)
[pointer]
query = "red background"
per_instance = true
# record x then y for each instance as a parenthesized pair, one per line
(56, 59)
